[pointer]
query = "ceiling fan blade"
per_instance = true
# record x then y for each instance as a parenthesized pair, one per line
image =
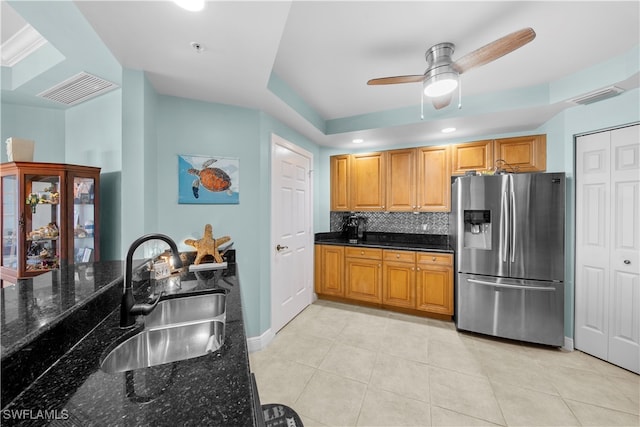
(396, 80)
(494, 50)
(442, 101)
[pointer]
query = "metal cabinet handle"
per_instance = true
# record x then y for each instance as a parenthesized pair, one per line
(627, 261)
(280, 248)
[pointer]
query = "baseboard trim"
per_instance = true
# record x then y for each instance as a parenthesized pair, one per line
(260, 342)
(568, 344)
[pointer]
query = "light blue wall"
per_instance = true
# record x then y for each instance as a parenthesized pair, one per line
(200, 128)
(94, 133)
(45, 126)
(94, 138)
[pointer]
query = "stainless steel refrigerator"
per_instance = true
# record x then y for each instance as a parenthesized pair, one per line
(508, 232)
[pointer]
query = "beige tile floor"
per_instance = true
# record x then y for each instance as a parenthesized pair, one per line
(343, 365)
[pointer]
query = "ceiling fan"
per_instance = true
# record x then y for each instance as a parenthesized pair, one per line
(441, 77)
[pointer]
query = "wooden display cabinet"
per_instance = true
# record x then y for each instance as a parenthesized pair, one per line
(50, 215)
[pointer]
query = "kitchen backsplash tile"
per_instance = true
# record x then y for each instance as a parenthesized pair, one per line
(398, 222)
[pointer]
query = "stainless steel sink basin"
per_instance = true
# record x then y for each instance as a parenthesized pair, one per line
(187, 309)
(152, 347)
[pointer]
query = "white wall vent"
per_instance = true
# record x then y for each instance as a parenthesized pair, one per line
(77, 89)
(597, 95)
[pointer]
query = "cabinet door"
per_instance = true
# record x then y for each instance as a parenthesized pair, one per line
(340, 171)
(398, 284)
(434, 288)
(472, 156)
(331, 270)
(44, 243)
(521, 154)
(434, 179)
(363, 279)
(401, 180)
(84, 241)
(368, 182)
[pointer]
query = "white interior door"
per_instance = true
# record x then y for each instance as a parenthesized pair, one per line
(291, 231)
(624, 298)
(608, 246)
(592, 243)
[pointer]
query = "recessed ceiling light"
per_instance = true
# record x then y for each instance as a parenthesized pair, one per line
(358, 141)
(448, 130)
(190, 5)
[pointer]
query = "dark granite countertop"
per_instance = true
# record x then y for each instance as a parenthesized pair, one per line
(400, 241)
(212, 390)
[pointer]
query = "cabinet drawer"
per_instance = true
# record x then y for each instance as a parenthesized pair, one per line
(368, 253)
(435, 258)
(400, 256)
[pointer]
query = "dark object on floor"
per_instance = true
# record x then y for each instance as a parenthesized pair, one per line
(277, 415)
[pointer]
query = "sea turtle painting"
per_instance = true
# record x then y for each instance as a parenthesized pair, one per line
(212, 179)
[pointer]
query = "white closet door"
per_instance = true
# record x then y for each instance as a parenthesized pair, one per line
(592, 243)
(607, 289)
(624, 305)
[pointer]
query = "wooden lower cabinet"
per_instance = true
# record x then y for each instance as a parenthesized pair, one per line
(329, 270)
(363, 274)
(399, 278)
(434, 283)
(414, 281)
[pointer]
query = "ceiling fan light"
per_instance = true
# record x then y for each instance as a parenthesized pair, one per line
(441, 84)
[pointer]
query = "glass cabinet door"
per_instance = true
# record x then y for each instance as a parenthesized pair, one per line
(83, 219)
(10, 231)
(42, 221)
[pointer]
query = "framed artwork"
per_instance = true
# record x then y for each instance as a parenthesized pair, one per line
(208, 180)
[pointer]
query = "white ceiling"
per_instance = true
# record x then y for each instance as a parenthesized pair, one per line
(326, 51)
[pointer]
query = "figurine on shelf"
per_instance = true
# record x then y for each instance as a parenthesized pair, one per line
(32, 200)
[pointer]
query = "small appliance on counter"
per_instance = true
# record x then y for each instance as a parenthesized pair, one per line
(354, 227)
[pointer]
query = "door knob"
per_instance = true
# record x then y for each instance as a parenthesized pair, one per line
(280, 248)
(626, 261)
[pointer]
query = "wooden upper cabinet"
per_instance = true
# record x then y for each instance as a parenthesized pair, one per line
(434, 179)
(368, 178)
(472, 156)
(340, 171)
(401, 180)
(521, 154)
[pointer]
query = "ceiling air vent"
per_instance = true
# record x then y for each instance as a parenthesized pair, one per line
(77, 89)
(597, 95)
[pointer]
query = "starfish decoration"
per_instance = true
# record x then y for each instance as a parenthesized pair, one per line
(207, 245)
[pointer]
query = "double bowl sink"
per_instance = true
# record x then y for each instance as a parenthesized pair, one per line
(177, 329)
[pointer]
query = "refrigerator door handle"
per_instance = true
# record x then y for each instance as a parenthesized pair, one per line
(504, 285)
(513, 227)
(505, 226)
